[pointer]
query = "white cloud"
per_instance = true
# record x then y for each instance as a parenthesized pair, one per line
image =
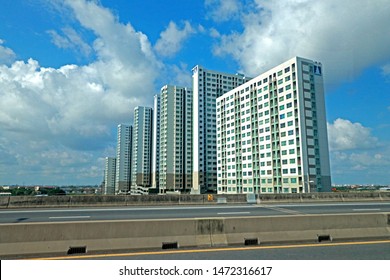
(222, 10)
(70, 40)
(214, 33)
(361, 167)
(182, 75)
(345, 135)
(355, 155)
(55, 120)
(362, 160)
(345, 36)
(172, 38)
(6, 54)
(386, 71)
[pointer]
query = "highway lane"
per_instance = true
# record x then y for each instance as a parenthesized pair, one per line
(176, 212)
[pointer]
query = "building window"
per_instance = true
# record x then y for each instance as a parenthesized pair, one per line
(293, 180)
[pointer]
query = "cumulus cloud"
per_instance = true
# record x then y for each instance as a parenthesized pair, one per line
(345, 135)
(120, 43)
(70, 40)
(222, 10)
(6, 54)
(55, 120)
(353, 149)
(172, 39)
(182, 75)
(369, 164)
(343, 35)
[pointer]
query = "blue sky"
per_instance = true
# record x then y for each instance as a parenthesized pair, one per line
(71, 70)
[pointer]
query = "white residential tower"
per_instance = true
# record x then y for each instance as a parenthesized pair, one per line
(109, 175)
(272, 134)
(142, 148)
(156, 143)
(123, 158)
(208, 85)
(175, 157)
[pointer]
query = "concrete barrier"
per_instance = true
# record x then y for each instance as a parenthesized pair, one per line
(324, 197)
(58, 238)
(113, 200)
(136, 200)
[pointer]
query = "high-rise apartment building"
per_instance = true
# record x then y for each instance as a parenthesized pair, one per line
(272, 134)
(175, 149)
(207, 86)
(123, 158)
(156, 143)
(142, 147)
(109, 175)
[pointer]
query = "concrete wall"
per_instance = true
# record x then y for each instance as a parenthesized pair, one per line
(44, 238)
(325, 197)
(127, 200)
(111, 200)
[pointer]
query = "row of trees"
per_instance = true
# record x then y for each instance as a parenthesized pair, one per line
(32, 191)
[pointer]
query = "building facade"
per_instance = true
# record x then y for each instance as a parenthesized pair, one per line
(272, 134)
(175, 150)
(156, 143)
(109, 175)
(142, 147)
(207, 86)
(123, 158)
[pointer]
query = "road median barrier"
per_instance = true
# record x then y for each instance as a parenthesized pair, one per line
(11, 202)
(58, 238)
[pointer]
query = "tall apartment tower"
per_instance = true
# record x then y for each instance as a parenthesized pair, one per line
(207, 85)
(175, 162)
(272, 134)
(156, 143)
(109, 175)
(142, 147)
(123, 158)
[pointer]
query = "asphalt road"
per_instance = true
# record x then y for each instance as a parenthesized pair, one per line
(176, 212)
(358, 250)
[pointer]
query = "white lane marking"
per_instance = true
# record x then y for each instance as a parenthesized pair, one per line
(378, 209)
(71, 217)
(283, 210)
(233, 213)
